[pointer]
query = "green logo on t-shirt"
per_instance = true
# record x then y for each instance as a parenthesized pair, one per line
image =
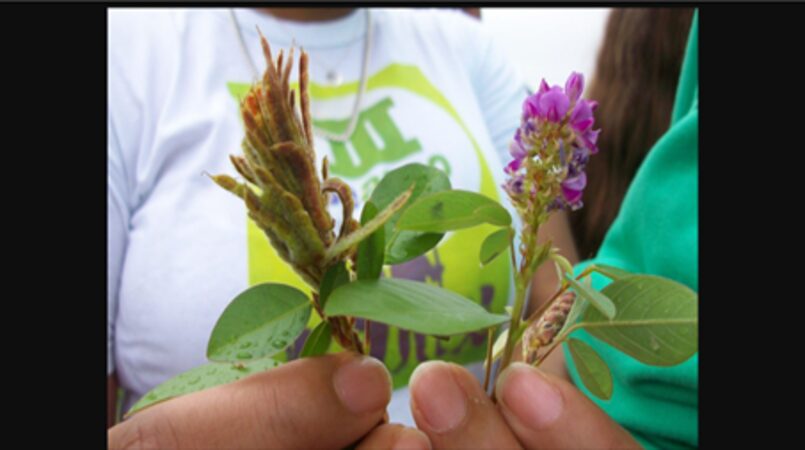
(376, 139)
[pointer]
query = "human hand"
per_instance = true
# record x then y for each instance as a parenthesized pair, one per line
(534, 410)
(325, 402)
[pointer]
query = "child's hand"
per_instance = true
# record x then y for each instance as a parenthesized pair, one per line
(534, 410)
(326, 402)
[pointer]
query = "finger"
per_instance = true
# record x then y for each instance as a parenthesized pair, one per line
(547, 412)
(329, 401)
(450, 406)
(395, 437)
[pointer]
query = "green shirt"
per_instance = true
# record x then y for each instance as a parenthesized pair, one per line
(656, 232)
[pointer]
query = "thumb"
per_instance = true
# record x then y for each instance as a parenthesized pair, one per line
(545, 411)
(325, 402)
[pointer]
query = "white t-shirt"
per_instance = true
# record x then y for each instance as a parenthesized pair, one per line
(181, 248)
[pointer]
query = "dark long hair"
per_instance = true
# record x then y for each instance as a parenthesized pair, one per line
(634, 83)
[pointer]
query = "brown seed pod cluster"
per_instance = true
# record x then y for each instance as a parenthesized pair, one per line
(282, 190)
(283, 193)
(542, 332)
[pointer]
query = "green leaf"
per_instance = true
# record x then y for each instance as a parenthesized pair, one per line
(611, 272)
(402, 246)
(452, 210)
(319, 340)
(405, 245)
(580, 305)
(411, 305)
(200, 378)
(495, 244)
(563, 263)
(371, 249)
(261, 321)
(334, 277)
(656, 322)
(593, 371)
(354, 238)
(599, 300)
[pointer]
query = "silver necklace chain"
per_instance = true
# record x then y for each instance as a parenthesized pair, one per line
(332, 74)
(353, 121)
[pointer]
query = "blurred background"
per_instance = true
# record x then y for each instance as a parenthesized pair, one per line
(559, 40)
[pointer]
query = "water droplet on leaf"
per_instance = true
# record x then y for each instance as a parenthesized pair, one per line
(654, 344)
(244, 355)
(279, 344)
(245, 345)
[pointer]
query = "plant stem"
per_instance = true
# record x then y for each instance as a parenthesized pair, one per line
(520, 286)
(367, 342)
(489, 343)
(514, 325)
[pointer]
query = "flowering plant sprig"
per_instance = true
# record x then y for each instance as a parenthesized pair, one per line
(407, 214)
(551, 149)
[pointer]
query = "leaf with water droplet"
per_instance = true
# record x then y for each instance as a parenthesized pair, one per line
(255, 319)
(202, 377)
(654, 344)
(656, 320)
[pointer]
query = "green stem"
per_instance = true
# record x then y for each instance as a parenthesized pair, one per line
(520, 287)
(514, 325)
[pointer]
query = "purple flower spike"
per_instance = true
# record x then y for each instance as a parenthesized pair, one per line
(574, 86)
(517, 151)
(514, 186)
(513, 166)
(530, 106)
(553, 105)
(572, 188)
(588, 140)
(555, 137)
(581, 118)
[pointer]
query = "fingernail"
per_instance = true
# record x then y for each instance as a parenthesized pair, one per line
(412, 440)
(363, 384)
(526, 393)
(437, 396)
